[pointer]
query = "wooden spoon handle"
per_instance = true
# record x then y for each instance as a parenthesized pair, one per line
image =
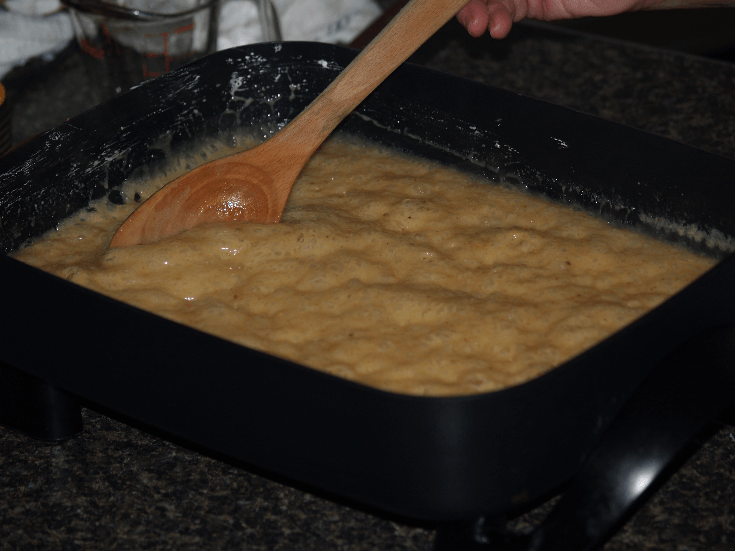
(366, 36)
(408, 30)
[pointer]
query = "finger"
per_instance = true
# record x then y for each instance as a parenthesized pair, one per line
(474, 17)
(500, 20)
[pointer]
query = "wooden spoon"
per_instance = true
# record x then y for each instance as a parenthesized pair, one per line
(255, 184)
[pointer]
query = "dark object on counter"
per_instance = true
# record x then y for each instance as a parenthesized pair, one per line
(443, 459)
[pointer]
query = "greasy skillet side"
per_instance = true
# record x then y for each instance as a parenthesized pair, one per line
(431, 458)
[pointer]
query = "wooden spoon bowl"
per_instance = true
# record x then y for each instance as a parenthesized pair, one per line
(254, 185)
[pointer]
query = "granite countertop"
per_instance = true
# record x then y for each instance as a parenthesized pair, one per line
(119, 486)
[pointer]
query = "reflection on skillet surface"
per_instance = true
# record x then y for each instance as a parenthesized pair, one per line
(389, 271)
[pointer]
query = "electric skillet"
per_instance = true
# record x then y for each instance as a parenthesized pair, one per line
(609, 420)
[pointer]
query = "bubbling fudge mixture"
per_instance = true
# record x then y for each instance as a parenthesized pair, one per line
(392, 272)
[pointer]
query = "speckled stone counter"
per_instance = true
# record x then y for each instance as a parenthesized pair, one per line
(119, 486)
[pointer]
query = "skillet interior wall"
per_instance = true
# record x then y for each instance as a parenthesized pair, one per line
(613, 171)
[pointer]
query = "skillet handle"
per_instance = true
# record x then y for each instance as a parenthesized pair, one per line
(682, 395)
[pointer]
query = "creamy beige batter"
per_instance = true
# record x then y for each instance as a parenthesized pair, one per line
(393, 272)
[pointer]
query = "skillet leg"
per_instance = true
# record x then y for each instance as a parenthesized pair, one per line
(35, 408)
(482, 534)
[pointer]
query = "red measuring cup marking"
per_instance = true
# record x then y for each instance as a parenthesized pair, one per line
(147, 73)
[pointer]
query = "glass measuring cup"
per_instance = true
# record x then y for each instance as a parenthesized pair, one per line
(126, 42)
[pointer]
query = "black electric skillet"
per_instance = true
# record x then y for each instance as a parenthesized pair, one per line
(609, 420)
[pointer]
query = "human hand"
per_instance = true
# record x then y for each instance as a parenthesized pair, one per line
(498, 16)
